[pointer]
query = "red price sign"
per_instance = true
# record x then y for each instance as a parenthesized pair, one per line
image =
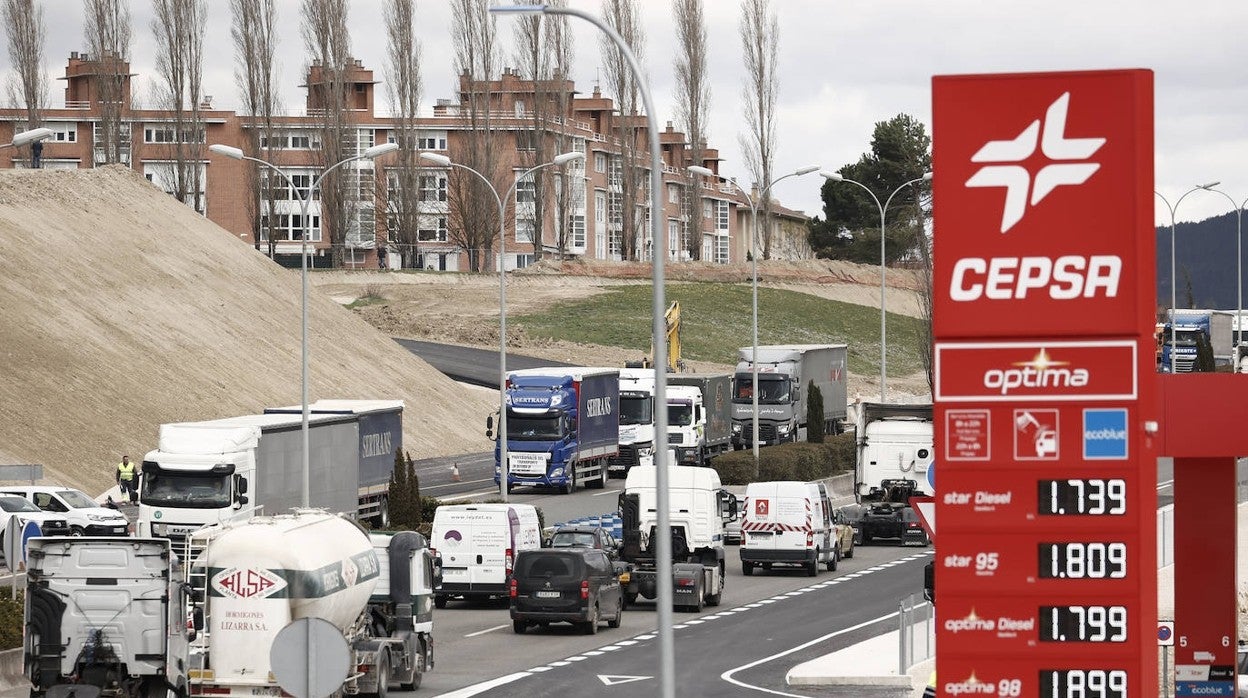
(1043, 309)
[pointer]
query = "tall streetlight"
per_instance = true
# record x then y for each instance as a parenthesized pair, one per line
(1237, 336)
(369, 154)
(1173, 281)
(444, 161)
(27, 137)
(667, 647)
(836, 177)
(697, 169)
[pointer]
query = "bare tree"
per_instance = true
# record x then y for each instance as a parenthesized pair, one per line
(178, 28)
(625, 17)
(403, 87)
(760, 40)
(693, 98)
(475, 213)
(253, 29)
(23, 22)
(106, 28)
(544, 57)
(328, 43)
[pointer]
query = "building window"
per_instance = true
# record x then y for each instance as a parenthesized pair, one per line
(526, 190)
(432, 187)
(708, 208)
(431, 140)
(600, 162)
(674, 246)
(288, 227)
(600, 206)
(673, 194)
(721, 217)
(578, 231)
(526, 140)
(578, 145)
(431, 229)
(166, 133)
(64, 133)
(524, 230)
(523, 260)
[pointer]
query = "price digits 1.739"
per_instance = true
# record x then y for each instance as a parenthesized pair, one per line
(1083, 683)
(1079, 560)
(1086, 497)
(1083, 623)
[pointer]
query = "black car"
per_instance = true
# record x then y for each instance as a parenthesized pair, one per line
(569, 585)
(584, 537)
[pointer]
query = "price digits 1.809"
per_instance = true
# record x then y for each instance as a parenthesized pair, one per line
(1078, 560)
(1083, 683)
(1088, 497)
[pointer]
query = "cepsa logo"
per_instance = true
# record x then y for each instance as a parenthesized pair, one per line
(1052, 371)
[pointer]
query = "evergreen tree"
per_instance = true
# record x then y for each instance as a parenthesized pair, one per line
(413, 494)
(399, 507)
(814, 414)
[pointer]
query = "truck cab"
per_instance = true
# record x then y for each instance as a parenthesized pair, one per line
(636, 421)
(686, 424)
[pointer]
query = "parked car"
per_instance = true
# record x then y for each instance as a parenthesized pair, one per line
(15, 508)
(85, 516)
(595, 537)
(565, 585)
(844, 533)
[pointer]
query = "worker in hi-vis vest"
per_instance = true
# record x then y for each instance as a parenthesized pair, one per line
(128, 479)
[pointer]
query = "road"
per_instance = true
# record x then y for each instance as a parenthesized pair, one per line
(468, 365)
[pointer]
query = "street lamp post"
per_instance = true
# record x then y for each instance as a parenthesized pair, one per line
(444, 161)
(27, 137)
(836, 177)
(667, 648)
(1236, 337)
(697, 169)
(1173, 281)
(237, 154)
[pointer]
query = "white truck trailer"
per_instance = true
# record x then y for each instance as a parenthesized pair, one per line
(210, 472)
(700, 508)
(108, 613)
(266, 572)
(785, 373)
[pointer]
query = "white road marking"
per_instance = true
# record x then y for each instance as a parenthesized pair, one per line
(469, 691)
(600, 494)
(578, 658)
(1165, 484)
(488, 630)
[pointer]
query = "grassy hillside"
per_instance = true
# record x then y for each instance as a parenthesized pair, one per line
(715, 321)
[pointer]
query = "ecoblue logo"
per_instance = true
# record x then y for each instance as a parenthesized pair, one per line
(1105, 434)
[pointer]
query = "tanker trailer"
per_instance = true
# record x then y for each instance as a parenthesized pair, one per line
(266, 572)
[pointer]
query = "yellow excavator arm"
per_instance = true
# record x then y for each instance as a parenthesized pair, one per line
(675, 363)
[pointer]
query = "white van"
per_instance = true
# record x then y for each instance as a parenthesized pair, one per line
(477, 544)
(788, 523)
(84, 515)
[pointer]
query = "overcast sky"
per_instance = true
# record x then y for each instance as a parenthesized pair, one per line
(844, 65)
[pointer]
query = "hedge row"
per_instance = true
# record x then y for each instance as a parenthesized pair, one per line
(791, 461)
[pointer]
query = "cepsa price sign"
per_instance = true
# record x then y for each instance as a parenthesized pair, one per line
(1043, 384)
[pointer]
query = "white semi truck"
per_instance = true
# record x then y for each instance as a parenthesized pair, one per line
(264, 573)
(700, 508)
(108, 613)
(210, 472)
(636, 421)
(895, 451)
(785, 373)
(699, 416)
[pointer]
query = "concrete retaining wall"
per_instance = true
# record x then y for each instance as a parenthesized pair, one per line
(12, 679)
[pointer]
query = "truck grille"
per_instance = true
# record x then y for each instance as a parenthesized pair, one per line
(766, 432)
(627, 457)
(674, 439)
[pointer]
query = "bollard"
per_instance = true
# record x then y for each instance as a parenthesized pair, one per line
(455, 472)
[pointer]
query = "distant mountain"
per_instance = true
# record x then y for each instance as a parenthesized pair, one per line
(1205, 255)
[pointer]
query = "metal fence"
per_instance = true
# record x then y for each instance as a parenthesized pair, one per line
(917, 637)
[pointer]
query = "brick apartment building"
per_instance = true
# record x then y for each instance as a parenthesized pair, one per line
(717, 215)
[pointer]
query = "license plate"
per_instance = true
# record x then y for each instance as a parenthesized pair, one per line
(546, 594)
(267, 691)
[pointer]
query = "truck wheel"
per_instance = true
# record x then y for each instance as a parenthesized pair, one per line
(630, 598)
(834, 560)
(850, 553)
(518, 626)
(439, 600)
(600, 483)
(383, 677)
(570, 484)
(415, 683)
(713, 599)
(747, 568)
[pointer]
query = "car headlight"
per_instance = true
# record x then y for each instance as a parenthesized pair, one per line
(98, 517)
(783, 429)
(736, 428)
(160, 529)
(556, 472)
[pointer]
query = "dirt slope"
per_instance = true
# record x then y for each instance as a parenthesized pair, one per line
(123, 310)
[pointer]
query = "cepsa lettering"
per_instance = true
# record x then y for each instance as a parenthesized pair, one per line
(1007, 278)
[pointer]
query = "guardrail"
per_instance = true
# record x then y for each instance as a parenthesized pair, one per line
(916, 640)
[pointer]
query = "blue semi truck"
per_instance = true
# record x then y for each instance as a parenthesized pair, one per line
(563, 425)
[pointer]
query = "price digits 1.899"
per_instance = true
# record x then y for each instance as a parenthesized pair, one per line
(1083, 683)
(1077, 560)
(1083, 623)
(1087, 497)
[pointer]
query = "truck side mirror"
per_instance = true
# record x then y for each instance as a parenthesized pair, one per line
(489, 426)
(240, 484)
(197, 619)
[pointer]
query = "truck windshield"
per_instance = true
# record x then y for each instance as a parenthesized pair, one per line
(636, 410)
(525, 427)
(679, 415)
(771, 390)
(185, 490)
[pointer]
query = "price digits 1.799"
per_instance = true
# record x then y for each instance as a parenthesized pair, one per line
(1083, 623)
(1086, 497)
(1079, 560)
(1083, 683)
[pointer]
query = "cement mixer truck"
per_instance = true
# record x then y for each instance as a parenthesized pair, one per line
(264, 573)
